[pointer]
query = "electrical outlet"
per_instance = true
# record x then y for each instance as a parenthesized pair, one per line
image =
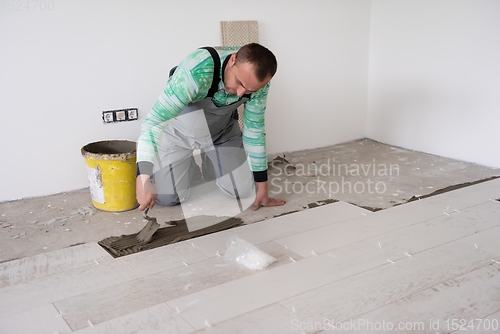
(132, 114)
(120, 115)
(107, 116)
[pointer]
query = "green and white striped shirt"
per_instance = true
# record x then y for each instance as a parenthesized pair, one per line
(190, 83)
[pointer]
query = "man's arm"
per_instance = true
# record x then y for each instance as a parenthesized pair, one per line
(189, 82)
(145, 192)
(254, 140)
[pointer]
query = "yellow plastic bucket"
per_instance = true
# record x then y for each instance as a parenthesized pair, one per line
(111, 170)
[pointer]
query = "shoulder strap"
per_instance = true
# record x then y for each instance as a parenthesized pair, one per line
(216, 78)
(172, 71)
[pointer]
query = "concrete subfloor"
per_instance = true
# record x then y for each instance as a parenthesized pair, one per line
(362, 172)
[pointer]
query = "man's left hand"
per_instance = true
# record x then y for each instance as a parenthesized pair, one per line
(263, 199)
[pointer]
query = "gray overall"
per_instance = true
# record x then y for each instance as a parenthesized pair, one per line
(214, 131)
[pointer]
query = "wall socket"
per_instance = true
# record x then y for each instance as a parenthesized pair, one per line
(120, 115)
(132, 114)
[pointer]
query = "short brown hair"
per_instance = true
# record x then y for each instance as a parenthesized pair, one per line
(263, 59)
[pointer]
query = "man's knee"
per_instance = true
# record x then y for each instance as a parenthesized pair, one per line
(171, 199)
(167, 199)
(243, 189)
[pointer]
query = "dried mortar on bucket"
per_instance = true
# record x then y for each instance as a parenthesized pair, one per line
(111, 170)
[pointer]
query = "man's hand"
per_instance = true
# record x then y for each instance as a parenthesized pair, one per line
(263, 199)
(145, 192)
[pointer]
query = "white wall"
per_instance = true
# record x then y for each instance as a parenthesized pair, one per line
(434, 77)
(60, 69)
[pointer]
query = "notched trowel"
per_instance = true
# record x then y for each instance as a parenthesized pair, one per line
(143, 237)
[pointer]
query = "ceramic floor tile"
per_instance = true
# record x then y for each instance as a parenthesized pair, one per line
(466, 197)
(279, 227)
(244, 295)
(161, 258)
(102, 305)
(44, 319)
(488, 325)
(486, 241)
(20, 297)
(49, 289)
(474, 295)
(406, 214)
(158, 319)
(222, 303)
(340, 273)
(369, 290)
(272, 319)
(282, 254)
(348, 231)
(388, 319)
(41, 265)
(437, 231)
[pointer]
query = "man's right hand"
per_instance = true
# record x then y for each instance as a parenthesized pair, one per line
(145, 192)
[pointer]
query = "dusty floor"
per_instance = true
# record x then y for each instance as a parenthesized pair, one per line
(363, 172)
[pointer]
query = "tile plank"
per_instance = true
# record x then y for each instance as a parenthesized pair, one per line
(369, 290)
(105, 304)
(352, 230)
(44, 319)
(486, 241)
(490, 324)
(437, 231)
(37, 292)
(278, 227)
(49, 263)
(272, 319)
(466, 197)
(156, 319)
(388, 319)
(244, 295)
(473, 295)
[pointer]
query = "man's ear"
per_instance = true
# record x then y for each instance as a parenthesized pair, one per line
(232, 60)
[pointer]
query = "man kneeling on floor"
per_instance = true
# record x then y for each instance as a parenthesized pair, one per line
(197, 110)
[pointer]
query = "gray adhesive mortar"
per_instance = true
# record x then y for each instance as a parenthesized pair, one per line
(129, 244)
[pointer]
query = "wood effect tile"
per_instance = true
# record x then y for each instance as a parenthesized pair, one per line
(473, 295)
(489, 325)
(272, 319)
(156, 319)
(387, 319)
(278, 227)
(105, 304)
(37, 292)
(244, 295)
(43, 319)
(49, 263)
(465, 197)
(440, 230)
(392, 319)
(348, 231)
(161, 258)
(413, 212)
(486, 241)
(369, 290)
(282, 254)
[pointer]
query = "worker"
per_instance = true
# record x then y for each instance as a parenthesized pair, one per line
(197, 110)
